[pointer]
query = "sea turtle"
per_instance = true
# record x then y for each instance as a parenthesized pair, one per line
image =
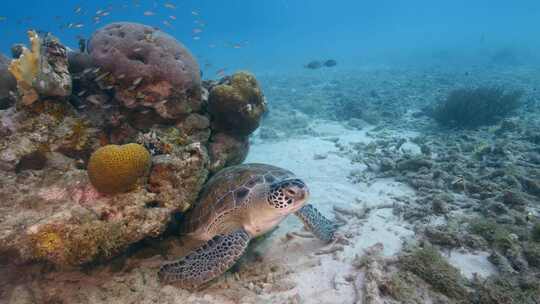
(237, 204)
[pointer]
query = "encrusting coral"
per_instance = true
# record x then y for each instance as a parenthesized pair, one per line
(114, 169)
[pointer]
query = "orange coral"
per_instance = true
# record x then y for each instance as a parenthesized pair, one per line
(114, 169)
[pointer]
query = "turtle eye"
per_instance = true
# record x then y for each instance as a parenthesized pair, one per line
(290, 192)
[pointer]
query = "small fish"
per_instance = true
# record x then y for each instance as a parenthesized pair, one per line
(196, 38)
(197, 30)
(137, 81)
(172, 17)
(195, 13)
(145, 112)
(330, 63)
(167, 23)
(237, 46)
(81, 93)
(96, 70)
(78, 25)
(221, 72)
(105, 14)
(137, 50)
(110, 87)
(200, 23)
(107, 106)
(162, 102)
(313, 65)
(101, 76)
(87, 70)
(169, 5)
(95, 99)
(131, 88)
(149, 13)
(99, 12)
(78, 10)
(121, 76)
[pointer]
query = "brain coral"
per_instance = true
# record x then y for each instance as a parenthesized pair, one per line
(148, 68)
(237, 105)
(114, 169)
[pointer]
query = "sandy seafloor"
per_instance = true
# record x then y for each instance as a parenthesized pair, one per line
(289, 269)
(302, 275)
(315, 278)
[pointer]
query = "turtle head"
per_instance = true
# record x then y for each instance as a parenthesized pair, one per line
(288, 195)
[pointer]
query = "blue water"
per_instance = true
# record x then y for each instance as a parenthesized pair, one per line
(277, 35)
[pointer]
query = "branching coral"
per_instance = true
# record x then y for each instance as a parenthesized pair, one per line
(469, 108)
(26, 68)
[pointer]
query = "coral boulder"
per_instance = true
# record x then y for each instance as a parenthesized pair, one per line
(42, 70)
(114, 168)
(148, 68)
(237, 104)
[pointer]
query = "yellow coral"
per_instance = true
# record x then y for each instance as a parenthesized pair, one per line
(26, 68)
(114, 168)
(48, 243)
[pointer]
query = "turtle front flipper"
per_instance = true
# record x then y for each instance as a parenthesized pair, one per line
(206, 262)
(315, 222)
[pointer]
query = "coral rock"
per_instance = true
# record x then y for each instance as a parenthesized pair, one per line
(42, 70)
(114, 169)
(226, 150)
(148, 68)
(7, 83)
(237, 105)
(173, 175)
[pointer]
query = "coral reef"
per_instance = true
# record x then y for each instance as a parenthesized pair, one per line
(8, 84)
(25, 69)
(42, 70)
(226, 150)
(107, 153)
(147, 68)
(174, 175)
(469, 108)
(114, 169)
(237, 104)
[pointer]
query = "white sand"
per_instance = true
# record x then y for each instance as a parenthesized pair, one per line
(321, 278)
(472, 263)
(329, 186)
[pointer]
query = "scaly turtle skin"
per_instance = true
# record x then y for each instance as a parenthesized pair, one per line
(236, 205)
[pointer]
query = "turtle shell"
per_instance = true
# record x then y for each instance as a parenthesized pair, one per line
(225, 191)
